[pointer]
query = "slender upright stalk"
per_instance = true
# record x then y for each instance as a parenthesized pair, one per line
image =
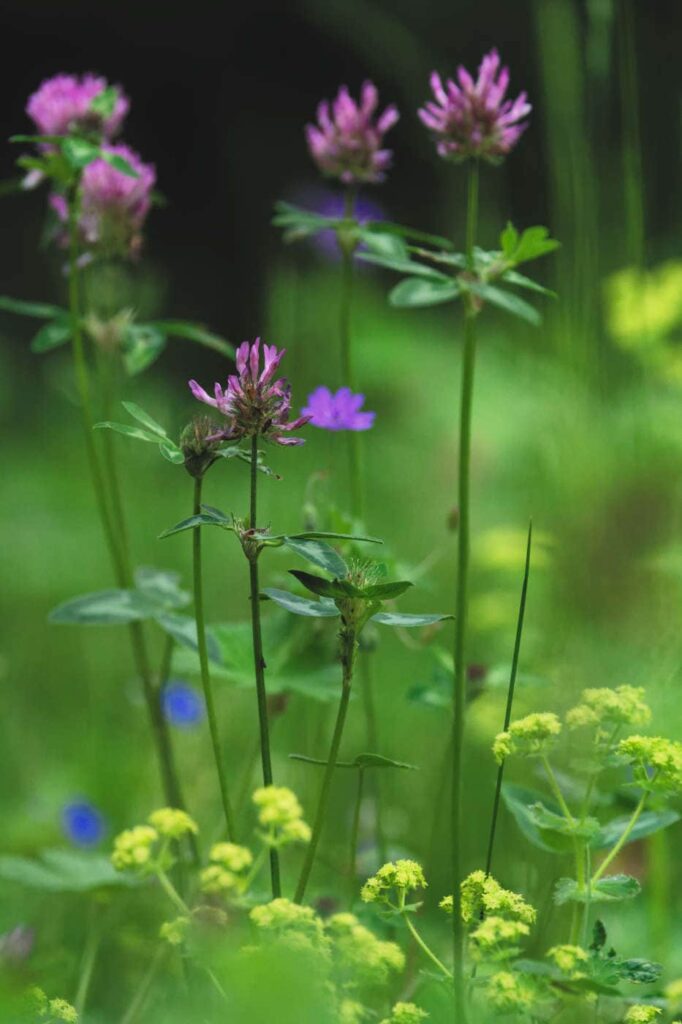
(259, 660)
(510, 699)
(459, 695)
(92, 943)
(348, 651)
(615, 850)
(347, 244)
(203, 662)
(115, 541)
(355, 830)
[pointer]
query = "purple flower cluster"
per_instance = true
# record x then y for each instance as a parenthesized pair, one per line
(337, 411)
(472, 118)
(63, 104)
(347, 139)
(113, 205)
(253, 402)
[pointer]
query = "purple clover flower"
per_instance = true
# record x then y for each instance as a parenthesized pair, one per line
(346, 141)
(114, 206)
(253, 403)
(472, 118)
(337, 411)
(182, 705)
(63, 103)
(83, 824)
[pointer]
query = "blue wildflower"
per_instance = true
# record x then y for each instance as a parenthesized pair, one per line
(83, 824)
(182, 705)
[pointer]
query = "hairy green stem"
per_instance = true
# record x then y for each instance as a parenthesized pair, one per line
(259, 660)
(615, 850)
(348, 651)
(463, 542)
(510, 699)
(204, 664)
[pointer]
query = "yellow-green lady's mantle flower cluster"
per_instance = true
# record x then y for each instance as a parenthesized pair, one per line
(52, 1010)
(532, 736)
(656, 762)
(405, 1013)
(642, 1014)
(482, 894)
(280, 816)
(497, 938)
(134, 848)
(569, 959)
(608, 708)
(175, 932)
(401, 876)
(282, 919)
(226, 872)
(511, 992)
(359, 957)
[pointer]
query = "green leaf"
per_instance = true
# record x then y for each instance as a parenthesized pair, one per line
(519, 801)
(39, 310)
(611, 889)
(319, 553)
(162, 587)
(648, 823)
(103, 608)
(521, 281)
(405, 265)
(78, 152)
(507, 301)
(380, 243)
(547, 820)
(362, 761)
(170, 451)
(533, 242)
(183, 629)
(386, 591)
(324, 535)
(143, 344)
(639, 971)
(145, 419)
(104, 103)
(301, 605)
(128, 430)
(407, 621)
(414, 292)
(384, 227)
(63, 871)
(207, 517)
(323, 587)
(509, 239)
(52, 335)
(194, 332)
(119, 163)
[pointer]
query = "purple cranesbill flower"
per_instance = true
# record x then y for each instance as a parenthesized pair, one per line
(253, 402)
(472, 118)
(347, 139)
(113, 205)
(182, 705)
(338, 410)
(82, 823)
(64, 103)
(331, 203)
(17, 944)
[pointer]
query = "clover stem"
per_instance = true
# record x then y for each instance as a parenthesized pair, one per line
(204, 664)
(348, 643)
(463, 543)
(347, 245)
(615, 850)
(118, 553)
(259, 660)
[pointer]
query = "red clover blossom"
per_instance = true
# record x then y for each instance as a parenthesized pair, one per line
(63, 103)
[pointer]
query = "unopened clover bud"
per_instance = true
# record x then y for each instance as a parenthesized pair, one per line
(199, 443)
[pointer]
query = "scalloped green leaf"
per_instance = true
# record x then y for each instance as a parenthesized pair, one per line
(320, 554)
(301, 605)
(104, 608)
(647, 824)
(63, 871)
(611, 889)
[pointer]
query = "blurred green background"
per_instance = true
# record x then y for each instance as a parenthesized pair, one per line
(577, 424)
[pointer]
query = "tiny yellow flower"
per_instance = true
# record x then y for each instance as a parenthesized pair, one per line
(568, 959)
(497, 938)
(624, 705)
(231, 856)
(657, 762)
(482, 893)
(358, 955)
(405, 1013)
(532, 736)
(59, 1009)
(283, 919)
(172, 823)
(217, 879)
(133, 847)
(175, 931)
(281, 816)
(642, 1014)
(403, 875)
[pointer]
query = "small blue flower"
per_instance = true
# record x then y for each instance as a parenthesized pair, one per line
(82, 823)
(182, 705)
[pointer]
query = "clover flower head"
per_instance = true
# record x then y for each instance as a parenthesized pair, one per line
(64, 103)
(360, 957)
(283, 919)
(113, 205)
(403, 875)
(340, 410)
(497, 938)
(509, 992)
(183, 707)
(406, 1013)
(624, 705)
(642, 1014)
(347, 139)
(175, 932)
(82, 823)
(133, 847)
(532, 736)
(254, 403)
(569, 959)
(172, 823)
(200, 441)
(656, 761)
(471, 118)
